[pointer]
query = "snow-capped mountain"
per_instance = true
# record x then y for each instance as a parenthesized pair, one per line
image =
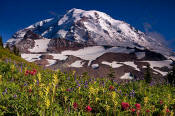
(93, 28)
(92, 41)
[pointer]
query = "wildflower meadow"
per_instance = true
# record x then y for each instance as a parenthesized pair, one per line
(31, 91)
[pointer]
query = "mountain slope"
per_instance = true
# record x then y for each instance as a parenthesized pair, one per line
(93, 28)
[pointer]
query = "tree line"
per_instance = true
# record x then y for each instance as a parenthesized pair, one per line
(14, 49)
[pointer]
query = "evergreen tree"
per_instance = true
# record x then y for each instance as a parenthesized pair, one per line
(1, 43)
(16, 50)
(171, 76)
(111, 73)
(148, 77)
(7, 46)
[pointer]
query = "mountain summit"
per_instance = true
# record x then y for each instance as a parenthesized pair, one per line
(93, 28)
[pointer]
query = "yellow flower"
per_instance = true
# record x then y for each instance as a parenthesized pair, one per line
(12, 67)
(41, 94)
(97, 99)
(91, 90)
(35, 81)
(113, 95)
(0, 79)
(79, 89)
(145, 100)
(30, 86)
(41, 85)
(169, 96)
(172, 113)
(55, 79)
(25, 69)
(95, 82)
(39, 77)
(73, 73)
(115, 102)
(65, 99)
(164, 110)
(107, 107)
(47, 90)
(47, 102)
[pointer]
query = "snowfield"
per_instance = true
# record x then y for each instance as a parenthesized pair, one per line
(41, 45)
(132, 65)
(92, 53)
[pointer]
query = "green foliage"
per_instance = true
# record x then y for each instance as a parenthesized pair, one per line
(148, 77)
(7, 54)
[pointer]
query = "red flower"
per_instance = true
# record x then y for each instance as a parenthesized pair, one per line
(161, 102)
(125, 106)
(75, 105)
(32, 73)
(68, 89)
(30, 90)
(88, 108)
(27, 72)
(147, 111)
(133, 110)
(167, 110)
(111, 88)
(34, 70)
(138, 106)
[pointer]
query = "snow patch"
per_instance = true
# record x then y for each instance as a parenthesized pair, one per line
(51, 62)
(59, 56)
(77, 64)
(126, 76)
(140, 55)
(41, 45)
(114, 64)
(95, 66)
(31, 57)
(144, 66)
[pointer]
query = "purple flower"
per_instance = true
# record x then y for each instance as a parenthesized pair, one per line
(5, 90)
(15, 96)
(37, 82)
(21, 68)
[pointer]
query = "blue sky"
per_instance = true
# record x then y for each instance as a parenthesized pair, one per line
(156, 17)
